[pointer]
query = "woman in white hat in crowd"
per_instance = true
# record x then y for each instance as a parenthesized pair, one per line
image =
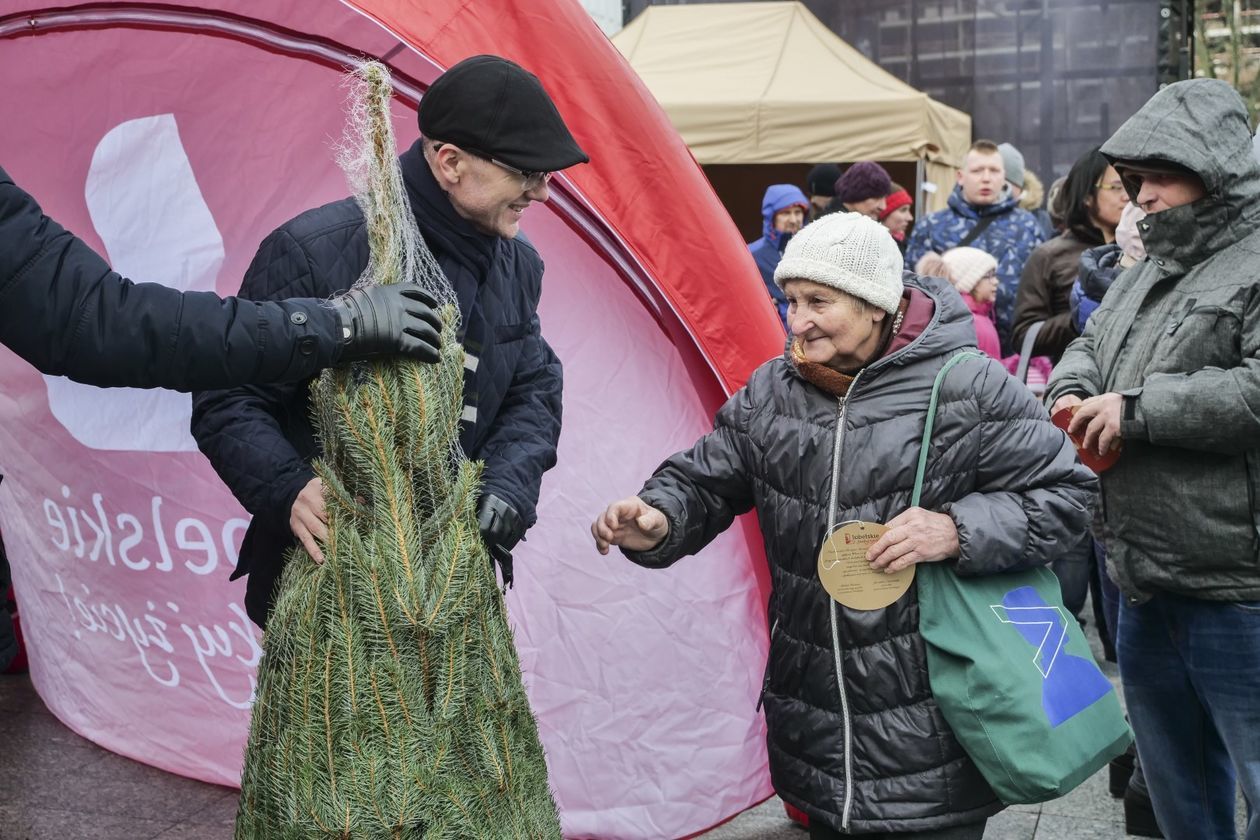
(827, 433)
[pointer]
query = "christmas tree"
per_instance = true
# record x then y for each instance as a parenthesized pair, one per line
(390, 702)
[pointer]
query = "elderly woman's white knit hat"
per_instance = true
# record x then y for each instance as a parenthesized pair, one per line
(966, 267)
(849, 252)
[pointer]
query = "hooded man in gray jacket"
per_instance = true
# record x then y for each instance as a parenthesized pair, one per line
(1169, 366)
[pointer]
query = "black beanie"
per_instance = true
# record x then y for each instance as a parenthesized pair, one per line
(490, 105)
(822, 179)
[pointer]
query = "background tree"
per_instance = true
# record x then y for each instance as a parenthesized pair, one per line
(1227, 46)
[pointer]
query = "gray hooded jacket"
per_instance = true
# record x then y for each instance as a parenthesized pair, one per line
(855, 738)
(1179, 334)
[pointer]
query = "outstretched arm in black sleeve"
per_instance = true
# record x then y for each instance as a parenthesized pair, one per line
(67, 313)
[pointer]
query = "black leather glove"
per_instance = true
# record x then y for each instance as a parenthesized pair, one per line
(501, 529)
(385, 320)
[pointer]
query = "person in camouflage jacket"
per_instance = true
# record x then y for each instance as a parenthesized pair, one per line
(1010, 233)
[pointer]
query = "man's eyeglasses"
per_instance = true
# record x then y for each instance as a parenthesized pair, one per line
(529, 180)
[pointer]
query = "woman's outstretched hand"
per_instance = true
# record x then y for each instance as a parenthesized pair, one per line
(630, 523)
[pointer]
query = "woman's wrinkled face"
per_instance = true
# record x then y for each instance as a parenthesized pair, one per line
(832, 327)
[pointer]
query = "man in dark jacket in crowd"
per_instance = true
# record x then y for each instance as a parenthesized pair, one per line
(982, 213)
(783, 211)
(1169, 364)
(67, 313)
(490, 138)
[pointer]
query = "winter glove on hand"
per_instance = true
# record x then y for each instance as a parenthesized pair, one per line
(501, 529)
(385, 320)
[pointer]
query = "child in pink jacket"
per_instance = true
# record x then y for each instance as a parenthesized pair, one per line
(974, 274)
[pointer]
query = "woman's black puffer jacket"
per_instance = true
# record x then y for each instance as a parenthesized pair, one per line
(855, 737)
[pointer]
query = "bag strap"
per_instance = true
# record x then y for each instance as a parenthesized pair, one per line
(1026, 350)
(931, 421)
(976, 232)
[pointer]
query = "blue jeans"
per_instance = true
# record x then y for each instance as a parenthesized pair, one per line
(1072, 570)
(1191, 674)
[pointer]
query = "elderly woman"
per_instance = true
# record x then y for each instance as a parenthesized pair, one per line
(830, 432)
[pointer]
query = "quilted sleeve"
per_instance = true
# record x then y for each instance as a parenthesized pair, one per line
(701, 490)
(64, 310)
(239, 429)
(521, 445)
(1032, 497)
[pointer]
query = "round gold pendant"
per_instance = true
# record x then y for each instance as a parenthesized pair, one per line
(846, 575)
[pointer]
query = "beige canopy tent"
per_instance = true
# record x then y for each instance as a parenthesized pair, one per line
(759, 83)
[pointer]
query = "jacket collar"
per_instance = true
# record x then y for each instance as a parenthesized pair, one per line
(962, 207)
(976, 307)
(444, 230)
(1178, 239)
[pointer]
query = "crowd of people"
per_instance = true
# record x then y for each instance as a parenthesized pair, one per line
(1130, 301)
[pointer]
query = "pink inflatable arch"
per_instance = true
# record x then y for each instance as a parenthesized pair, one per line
(173, 137)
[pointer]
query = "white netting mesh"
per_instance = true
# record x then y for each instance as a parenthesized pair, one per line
(367, 155)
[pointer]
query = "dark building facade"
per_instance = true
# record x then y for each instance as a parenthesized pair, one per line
(1054, 77)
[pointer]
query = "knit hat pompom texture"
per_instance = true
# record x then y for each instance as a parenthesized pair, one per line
(849, 252)
(966, 266)
(863, 180)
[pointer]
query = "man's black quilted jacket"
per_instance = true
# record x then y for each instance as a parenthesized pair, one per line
(260, 439)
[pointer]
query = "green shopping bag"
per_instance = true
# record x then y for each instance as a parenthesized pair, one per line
(1013, 674)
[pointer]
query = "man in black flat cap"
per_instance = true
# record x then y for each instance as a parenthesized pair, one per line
(490, 139)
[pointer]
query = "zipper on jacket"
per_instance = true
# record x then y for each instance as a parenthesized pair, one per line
(835, 630)
(765, 678)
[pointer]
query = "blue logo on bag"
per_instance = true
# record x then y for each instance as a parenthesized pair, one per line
(1069, 684)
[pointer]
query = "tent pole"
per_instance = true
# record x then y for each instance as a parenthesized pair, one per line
(920, 173)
